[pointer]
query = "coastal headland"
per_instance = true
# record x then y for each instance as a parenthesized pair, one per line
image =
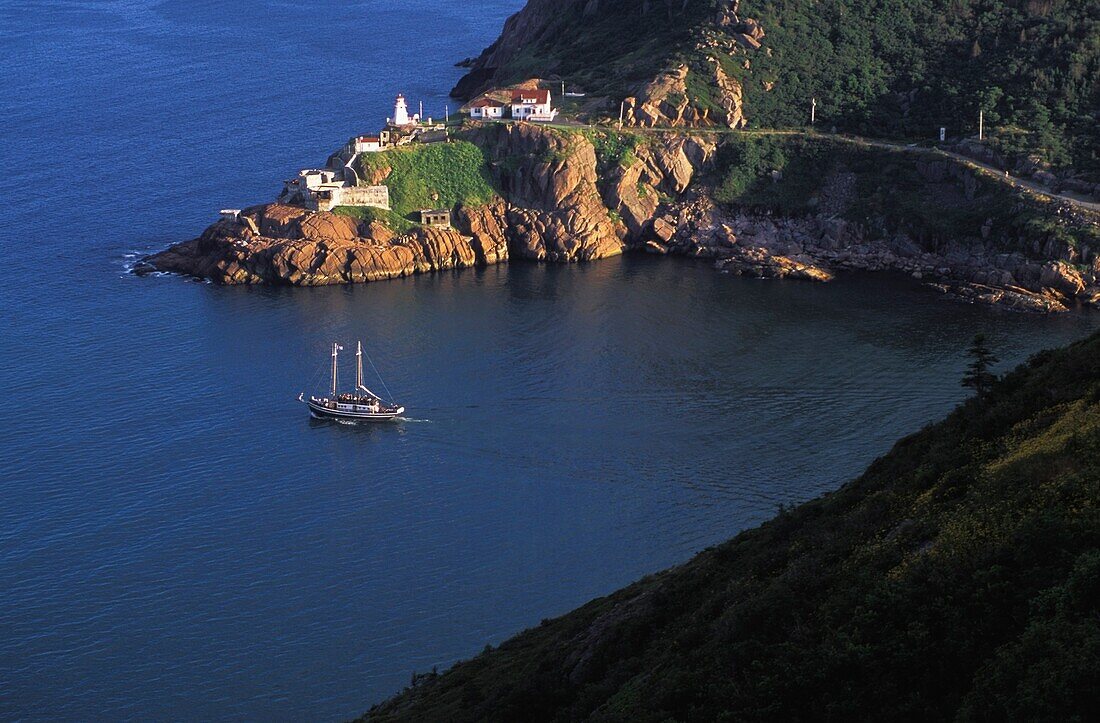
(777, 141)
(775, 205)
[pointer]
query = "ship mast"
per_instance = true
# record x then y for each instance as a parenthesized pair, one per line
(359, 367)
(335, 349)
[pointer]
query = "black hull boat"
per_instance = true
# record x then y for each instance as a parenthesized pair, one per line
(348, 407)
(362, 405)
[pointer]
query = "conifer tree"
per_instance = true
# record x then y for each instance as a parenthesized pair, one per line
(977, 376)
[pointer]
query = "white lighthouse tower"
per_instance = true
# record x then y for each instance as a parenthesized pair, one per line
(401, 112)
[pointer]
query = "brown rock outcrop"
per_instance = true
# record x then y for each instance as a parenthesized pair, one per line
(328, 249)
(554, 206)
(327, 226)
(486, 226)
(666, 101)
(1063, 278)
(665, 166)
(277, 220)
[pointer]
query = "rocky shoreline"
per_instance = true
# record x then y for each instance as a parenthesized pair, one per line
(816, 247)
(561, 202)
(278, 244)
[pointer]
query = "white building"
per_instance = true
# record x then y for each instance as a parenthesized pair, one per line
(366, 144)
(487, 108)
(533, 105)
(325, 189)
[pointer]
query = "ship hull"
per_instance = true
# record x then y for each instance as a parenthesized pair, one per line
(320, 411)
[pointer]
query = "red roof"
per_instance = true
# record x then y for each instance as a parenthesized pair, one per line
(486, 103)
(368, 139)
(531, 96)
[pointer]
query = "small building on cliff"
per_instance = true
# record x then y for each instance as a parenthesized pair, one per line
(366, 144)
(533, 105)
(438, 217)
(325, 189)
(487, 109)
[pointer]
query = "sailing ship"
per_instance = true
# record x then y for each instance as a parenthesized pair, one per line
(360, 405)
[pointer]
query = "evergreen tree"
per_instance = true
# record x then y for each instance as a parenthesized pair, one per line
(977, 376)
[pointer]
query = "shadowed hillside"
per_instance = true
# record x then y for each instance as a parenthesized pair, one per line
(901, 68)
(958, 577)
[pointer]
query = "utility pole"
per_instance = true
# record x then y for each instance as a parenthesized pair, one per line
(813, 111)
(981, 125)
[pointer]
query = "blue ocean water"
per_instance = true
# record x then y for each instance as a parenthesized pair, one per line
(177, 538)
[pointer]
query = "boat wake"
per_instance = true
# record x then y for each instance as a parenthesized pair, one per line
(357, 422)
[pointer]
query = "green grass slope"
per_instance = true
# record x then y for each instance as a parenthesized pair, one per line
(437, 175)
(957, 578)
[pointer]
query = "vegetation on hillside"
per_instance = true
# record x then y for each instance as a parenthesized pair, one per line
(437, 175)
(368, 214)
(615, 148)
(612, 48)
(886, 191)
(957, 578)
(907, 67)
(897, 68)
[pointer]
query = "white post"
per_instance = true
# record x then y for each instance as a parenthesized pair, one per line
(447, 113)
(421, 111)
(981, 125)
(622, 109)
(563, 89)
(813, 111)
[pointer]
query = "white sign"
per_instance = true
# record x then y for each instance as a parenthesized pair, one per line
(943, 134)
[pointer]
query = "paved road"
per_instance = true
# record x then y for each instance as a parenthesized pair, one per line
(1027, 184)
(995, 173)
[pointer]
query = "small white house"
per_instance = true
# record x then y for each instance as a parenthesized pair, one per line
(487, 108)
(366, 144)
(532, 105)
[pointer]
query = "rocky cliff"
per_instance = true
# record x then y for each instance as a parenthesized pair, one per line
(551, 209)
(277, 244)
